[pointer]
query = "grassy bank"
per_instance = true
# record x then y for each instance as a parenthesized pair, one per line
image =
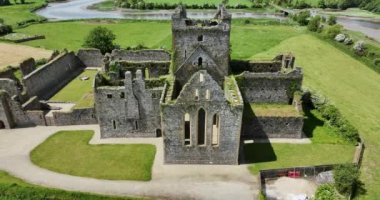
(12, 188)
(78, 158)
(15, 13)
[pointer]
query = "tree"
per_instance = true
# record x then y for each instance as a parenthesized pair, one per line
(100, 38)
(302, 18)
(331, 20)
(322, 4)
(346, 178)
(314, 24)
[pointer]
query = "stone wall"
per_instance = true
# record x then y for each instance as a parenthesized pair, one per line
(10, 86)
(131, 110)
(75, 117)
(6, 118)
(36, 117)
(141, 55)
(270, 87)
(27, 66)
(47, 80)
(152, 69)
(225, 149)
(91, 57)
(273, 127)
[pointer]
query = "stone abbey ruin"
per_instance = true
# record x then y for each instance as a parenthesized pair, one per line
(200, 102)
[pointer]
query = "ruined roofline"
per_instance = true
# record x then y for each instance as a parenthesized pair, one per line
(220, 16)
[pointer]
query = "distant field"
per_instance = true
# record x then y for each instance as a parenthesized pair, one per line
(12, 54)
(78, 91)
(247, 40)
(19, 12)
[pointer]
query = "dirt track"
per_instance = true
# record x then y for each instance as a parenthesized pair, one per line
(12, 54)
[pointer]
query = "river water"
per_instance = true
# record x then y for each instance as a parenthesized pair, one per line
(77, 9)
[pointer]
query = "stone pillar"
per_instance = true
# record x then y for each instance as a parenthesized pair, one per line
(131, 104)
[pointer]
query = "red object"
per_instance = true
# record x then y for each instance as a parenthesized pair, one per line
(294, 174)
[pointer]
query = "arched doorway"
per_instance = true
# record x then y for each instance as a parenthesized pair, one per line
(2, 125)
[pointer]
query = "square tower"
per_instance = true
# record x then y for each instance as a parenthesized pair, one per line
(201, 45)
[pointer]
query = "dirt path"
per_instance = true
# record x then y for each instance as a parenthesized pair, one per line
(168, 181)
(13, 54)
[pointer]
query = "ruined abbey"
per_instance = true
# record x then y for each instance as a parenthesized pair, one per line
(203, 104)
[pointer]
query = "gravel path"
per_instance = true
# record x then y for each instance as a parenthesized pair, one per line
(168, 181)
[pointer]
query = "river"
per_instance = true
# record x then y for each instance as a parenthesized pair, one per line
(77, 9)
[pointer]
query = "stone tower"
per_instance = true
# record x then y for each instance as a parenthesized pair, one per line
(201, 45)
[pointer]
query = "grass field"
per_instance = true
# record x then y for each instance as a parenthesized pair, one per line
(351, 86)
(78, 158)
(274, 155)
(12, 188)
(78, 91)
(20, 12)
(246, 40)
(12, 54)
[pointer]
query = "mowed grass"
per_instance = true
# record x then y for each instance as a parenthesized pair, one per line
(78, 91)
(71, 35)
(246, 40)
(351, 86)
(20, 12)
(68, 152)
(272, 156)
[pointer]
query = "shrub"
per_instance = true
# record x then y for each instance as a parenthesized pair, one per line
(325, 192)
(302, 18)
(4, 2)
(331, 20)
(376, 62)
(346, 178)
(321, 4)
(5, 29)
(41, 61)
(314, 24)
(100, 38)
(332, 31)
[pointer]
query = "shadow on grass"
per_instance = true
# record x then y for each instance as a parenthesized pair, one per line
(259, 151)
(311, 122)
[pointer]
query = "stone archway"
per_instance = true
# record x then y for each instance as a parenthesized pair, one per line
(2, 125)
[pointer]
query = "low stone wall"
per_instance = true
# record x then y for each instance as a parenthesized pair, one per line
(27, 66)
(47, 80)
(273, 127)
(91, 57)
(141, 55)
(36, 117)
(239, 66)
(10, 86)
(75, 117)
(270, 87)
(154, 68)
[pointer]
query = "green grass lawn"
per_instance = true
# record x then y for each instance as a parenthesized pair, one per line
(70, 35)
(12, 188)
(20, 12)
(272, 156)
(246, 40)
(78, 91)
(351, 86)
(68, 152)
